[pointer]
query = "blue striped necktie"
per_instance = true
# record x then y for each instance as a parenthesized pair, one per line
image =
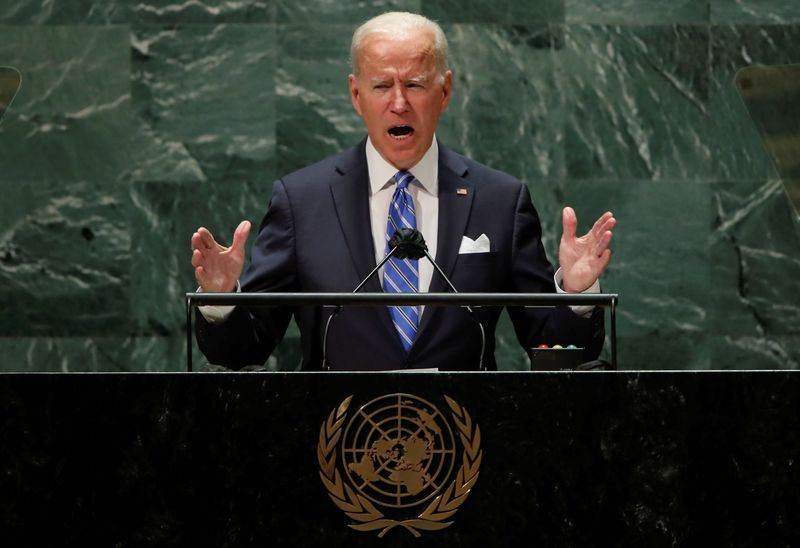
(402, 275)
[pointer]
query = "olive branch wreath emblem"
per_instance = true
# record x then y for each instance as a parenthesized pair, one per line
(358, 508)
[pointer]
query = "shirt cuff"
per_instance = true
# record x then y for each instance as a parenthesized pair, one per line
(582, 310)
(217, 314)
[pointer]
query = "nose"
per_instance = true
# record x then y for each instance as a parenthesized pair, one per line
(399, 101)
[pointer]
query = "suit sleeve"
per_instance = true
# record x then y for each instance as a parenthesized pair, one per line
(533, 273)
(249, 335)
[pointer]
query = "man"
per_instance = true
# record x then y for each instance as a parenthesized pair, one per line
(327, 227)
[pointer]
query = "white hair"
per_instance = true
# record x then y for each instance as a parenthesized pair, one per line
(398, 22)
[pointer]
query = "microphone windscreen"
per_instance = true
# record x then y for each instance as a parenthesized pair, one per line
(409, 243)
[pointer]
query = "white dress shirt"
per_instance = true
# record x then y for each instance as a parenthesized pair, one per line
(425, 192)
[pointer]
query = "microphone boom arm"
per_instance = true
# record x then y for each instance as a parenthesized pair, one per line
(468, 307)
(325, 365)
(408, 243)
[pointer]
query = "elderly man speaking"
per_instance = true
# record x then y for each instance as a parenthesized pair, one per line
(328, 225)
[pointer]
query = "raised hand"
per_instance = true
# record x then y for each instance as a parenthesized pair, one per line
(217, 268)
(583, 259)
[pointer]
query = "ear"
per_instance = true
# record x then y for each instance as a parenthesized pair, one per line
(354, 93)
(447, 88)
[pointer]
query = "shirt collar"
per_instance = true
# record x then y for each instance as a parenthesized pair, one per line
(381, 172)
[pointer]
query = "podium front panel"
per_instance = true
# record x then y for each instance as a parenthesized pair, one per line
(391, 459)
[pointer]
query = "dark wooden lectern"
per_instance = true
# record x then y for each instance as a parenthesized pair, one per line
(554, 459)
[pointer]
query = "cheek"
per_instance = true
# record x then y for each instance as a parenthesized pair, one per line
(428, 120)
(372, 107)
(430, 108)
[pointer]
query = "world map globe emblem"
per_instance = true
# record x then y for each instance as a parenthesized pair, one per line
(398, 450)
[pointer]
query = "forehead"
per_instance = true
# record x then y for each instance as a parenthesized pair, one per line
(401, 51)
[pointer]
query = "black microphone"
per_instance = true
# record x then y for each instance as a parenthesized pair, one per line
(405, 243)
(409, 243)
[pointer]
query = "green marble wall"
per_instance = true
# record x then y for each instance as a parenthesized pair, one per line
(138, 121)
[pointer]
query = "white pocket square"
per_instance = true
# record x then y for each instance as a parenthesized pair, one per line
(480, 244)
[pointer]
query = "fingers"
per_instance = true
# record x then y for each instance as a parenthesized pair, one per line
(203, 240)
(203, 246)
(605, 223)
(197, 245)
(197, 258)
(609, 223)
(603, 243)
(570, 223)
(199, 275)
(200, 247)
(240, 235)
(602, 232)
(605, 258)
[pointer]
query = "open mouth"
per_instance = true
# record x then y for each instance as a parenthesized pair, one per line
(401, 132)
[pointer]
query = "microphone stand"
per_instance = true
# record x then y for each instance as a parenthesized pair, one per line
(325, 365)
(410, 244)
(469, 309)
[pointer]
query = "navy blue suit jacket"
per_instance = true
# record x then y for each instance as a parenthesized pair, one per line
(316, 236)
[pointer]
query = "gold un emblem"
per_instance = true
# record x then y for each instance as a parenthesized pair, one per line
(391, 464)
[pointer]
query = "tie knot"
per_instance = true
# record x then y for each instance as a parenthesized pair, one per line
(403, 179)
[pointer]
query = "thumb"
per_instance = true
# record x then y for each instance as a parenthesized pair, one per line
(240, 235)
(570, 223)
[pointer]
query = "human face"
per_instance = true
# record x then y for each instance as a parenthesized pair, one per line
(399, 94)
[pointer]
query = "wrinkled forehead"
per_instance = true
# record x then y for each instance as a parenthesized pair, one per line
(403, 51)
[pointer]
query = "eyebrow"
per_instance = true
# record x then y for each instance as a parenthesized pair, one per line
(418, 79)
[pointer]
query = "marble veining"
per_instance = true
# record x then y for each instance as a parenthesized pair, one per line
(138, 121)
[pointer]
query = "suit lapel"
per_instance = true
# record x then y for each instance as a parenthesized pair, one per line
(350, 192)
(454, 211)
(455, 203)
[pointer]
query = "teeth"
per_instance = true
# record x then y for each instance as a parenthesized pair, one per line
(401, 132)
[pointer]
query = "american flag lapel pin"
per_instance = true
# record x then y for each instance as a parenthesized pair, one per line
(461, 191)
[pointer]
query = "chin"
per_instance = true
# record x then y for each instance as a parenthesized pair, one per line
(406, 154)
(404, 161)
